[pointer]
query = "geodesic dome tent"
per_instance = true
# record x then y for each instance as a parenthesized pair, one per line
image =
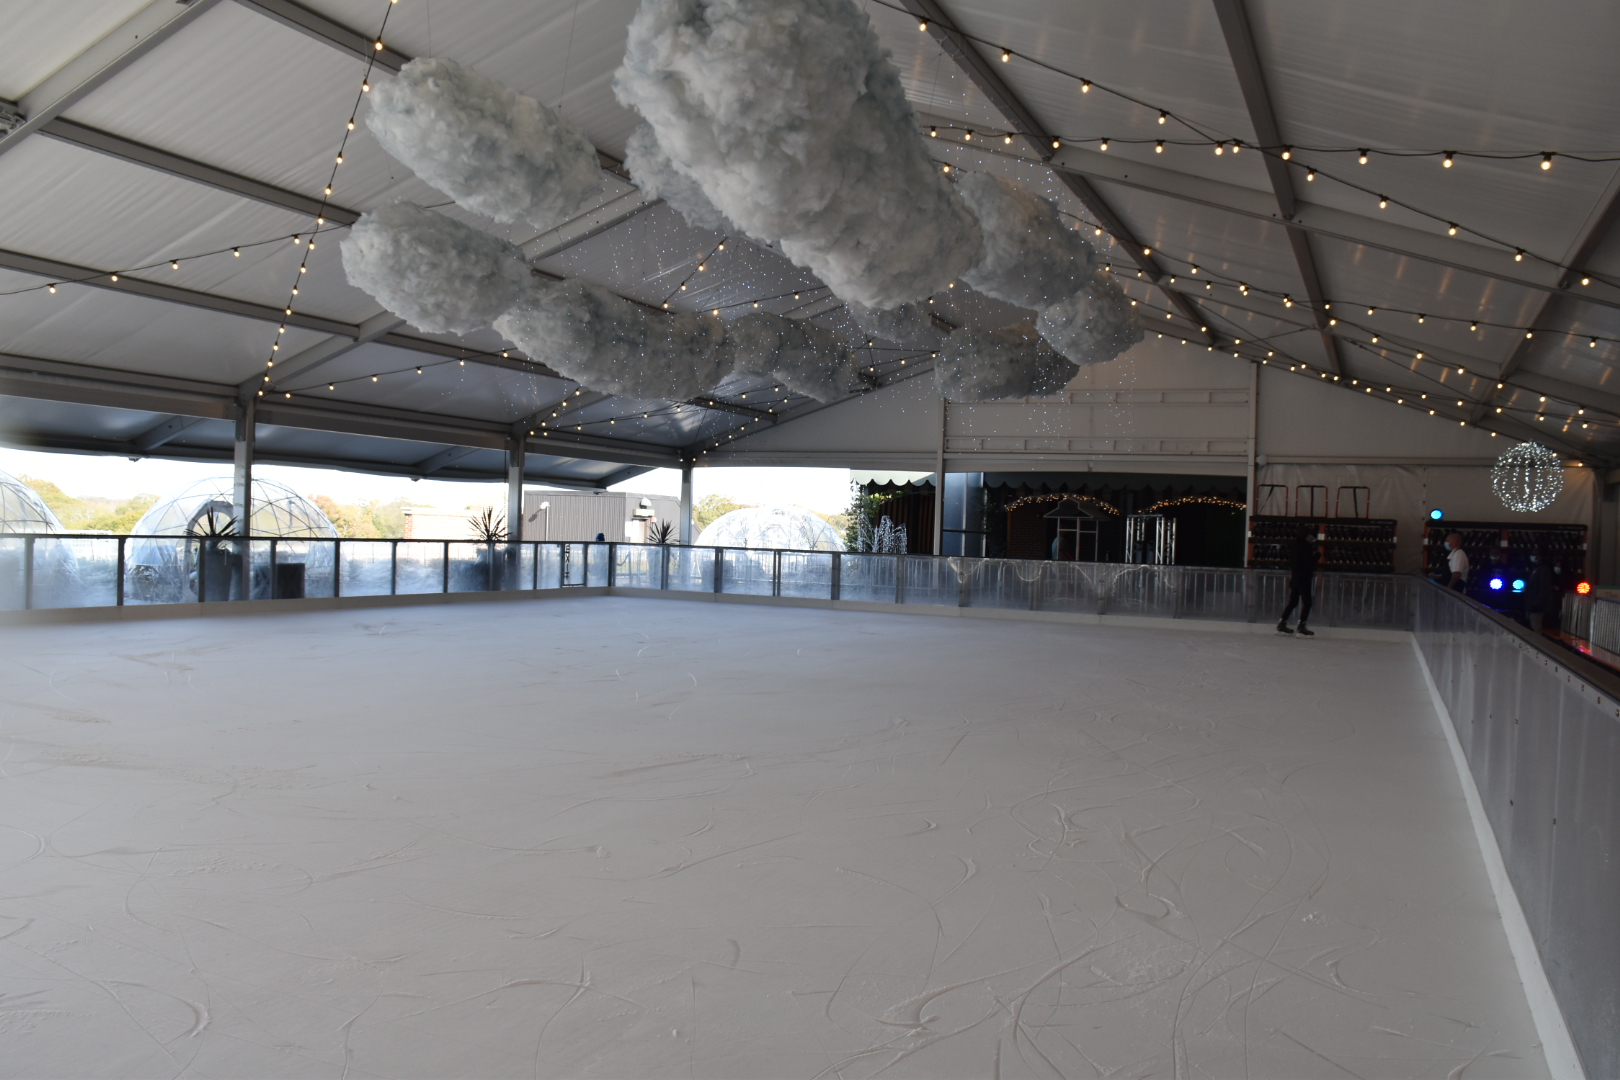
(22, 510)
(165, 570)
(772, 527)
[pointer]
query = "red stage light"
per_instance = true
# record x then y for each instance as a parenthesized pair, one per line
(1584, 587)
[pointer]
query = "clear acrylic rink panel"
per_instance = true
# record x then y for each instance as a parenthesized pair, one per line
(617, 837)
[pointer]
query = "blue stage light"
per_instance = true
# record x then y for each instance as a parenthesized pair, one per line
(1518, 585)
(1436, 515)
(1496, 584)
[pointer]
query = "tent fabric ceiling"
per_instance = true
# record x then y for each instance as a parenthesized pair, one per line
(262, 88)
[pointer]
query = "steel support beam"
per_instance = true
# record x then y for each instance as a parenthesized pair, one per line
(430, 465)
(967, 56)
(247, 428)
(327, 32)
(1234, 19)
(136, 36)
(515, 458)
(686, 502)
(323, 353)
(155, 436)
(116, 146)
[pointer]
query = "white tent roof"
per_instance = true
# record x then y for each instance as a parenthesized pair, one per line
(158, 131)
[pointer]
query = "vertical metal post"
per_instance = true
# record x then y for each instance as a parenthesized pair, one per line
(536, 572)
(838, 575)
(663, 578)
(1254, 441)
(393, 568)
(1035, 588)
(939, 484)
(28, 572)
(121, 567)
(274, 561)
(202, 570)
(337, 568)
(585, 569)
(776, 573)
(964, 574)
(686, 504)
(247, 427)
(445, 585)
(562, 565)
(516, 452)
(613, 563)
(719, 568)
(899, 579)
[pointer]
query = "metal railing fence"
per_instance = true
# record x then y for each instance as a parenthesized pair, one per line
(62, 570)
(1541, 733)
(1593, 618)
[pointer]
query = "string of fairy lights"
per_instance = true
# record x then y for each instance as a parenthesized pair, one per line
(326, 195)
(1200, 137)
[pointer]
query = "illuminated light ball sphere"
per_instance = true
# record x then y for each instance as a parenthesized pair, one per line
(1528, 477)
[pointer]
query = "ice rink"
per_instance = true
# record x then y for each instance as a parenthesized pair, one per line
(621, 838)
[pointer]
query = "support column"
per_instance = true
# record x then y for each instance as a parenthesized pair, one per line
(939, 482)
(516, 453)
(1254, 440)
(686, 503)
(247, 426)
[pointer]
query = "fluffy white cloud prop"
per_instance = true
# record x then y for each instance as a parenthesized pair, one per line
(613, 345)
(434, 272)
(906, 323)
(791, 118)
(1008, 362)
(1094, 325)
(808, 359)
(493, 150)
(658, 178)
(1031, 256)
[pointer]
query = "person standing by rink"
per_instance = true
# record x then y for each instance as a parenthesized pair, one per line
(1302, 558)
(1457, 563)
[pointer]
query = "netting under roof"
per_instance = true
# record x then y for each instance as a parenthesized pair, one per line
(22, 511)
(277, 510)
(772, 527)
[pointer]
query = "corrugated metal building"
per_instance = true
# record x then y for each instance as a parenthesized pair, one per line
(581, 515)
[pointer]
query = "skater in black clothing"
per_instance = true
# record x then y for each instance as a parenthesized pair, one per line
(1302, 559)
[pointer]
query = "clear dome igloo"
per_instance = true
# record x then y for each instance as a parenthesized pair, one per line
(23, 511)
(165, 571)
(772, 527)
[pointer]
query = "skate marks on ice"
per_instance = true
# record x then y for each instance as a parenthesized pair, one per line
(637, 838)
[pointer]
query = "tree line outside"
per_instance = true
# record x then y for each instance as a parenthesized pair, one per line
(365, 520)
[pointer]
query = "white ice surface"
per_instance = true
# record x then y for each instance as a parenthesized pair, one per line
(621, 838)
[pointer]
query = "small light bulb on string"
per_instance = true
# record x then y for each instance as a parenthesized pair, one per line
(1445, 162)
(340, 159)
(933, 133)
(329, 189)
(1085, 86)
(923, 26)
(1590, 344)
(114, 277)
(967, 136)
(1288, 301)
(945, 168)
(351, 125)
(1158, 147)
(1006, 57)
(1375, 339)
(1310, 174)
(237, 252)
(1473, 326)
(1361, 157)
(1057, 144)
(1163, 116)
(1006, 140)
(1546, 162)
(1586, 281)
(1518, 255)
(1103, 146)
(1383, 202)
(365, 88)
(52, 288)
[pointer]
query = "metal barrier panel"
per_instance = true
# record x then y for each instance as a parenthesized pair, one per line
(14, 562)
(81, 571)
(1141, 590)
(748, 573)
(1068, 587)
(420, 567)
(1004, 584)
(636, 566)
(807, 574)
(691, 569)
(1208, 593)
(598, 557)
(1543, 744)
(931, 580)
(868, 577)
(367, 568)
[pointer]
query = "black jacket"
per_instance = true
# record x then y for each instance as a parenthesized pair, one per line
(1302, 559)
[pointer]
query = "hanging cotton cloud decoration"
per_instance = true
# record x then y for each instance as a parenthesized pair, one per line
(493, 150)
(434, 272)
(790, 117)
(1008, 362)
(1094, 325)
(658, 178)
(1031, 256)
(1527, 477)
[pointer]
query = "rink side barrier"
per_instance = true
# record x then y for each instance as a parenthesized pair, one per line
(1538, 727)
